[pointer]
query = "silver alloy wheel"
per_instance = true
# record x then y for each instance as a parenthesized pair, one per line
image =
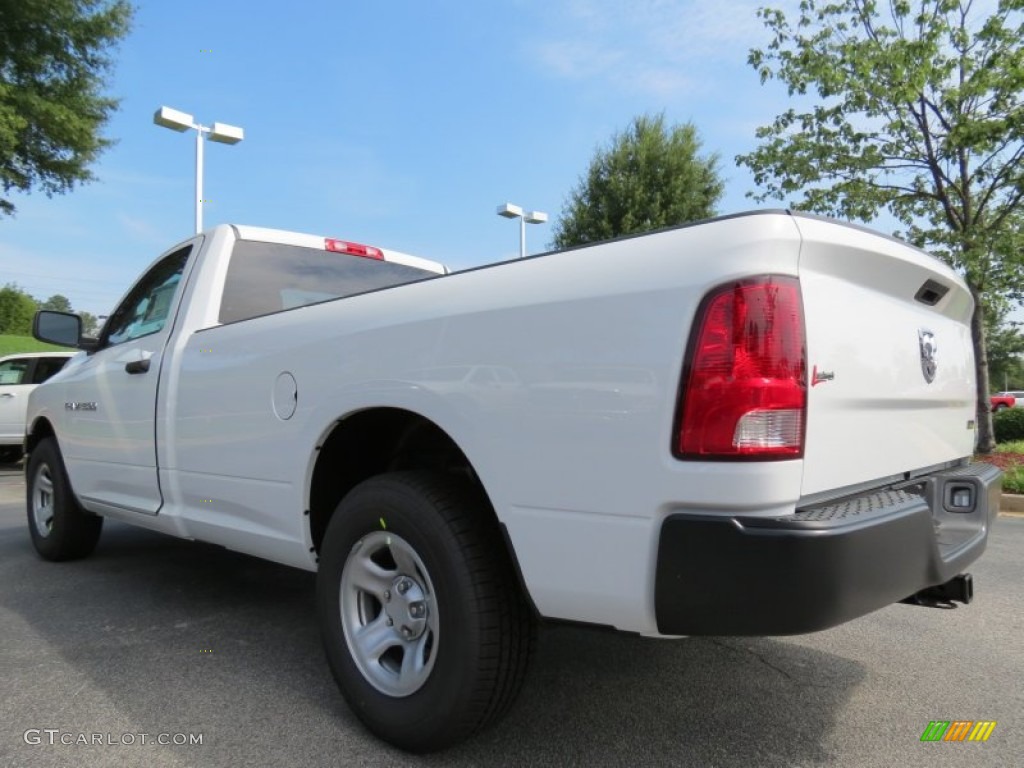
(42, 500)
(389, 613)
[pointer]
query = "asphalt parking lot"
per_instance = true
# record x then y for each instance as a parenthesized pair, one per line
(162, 637)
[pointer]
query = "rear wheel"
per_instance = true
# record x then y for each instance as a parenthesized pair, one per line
(424, 624)
(60, 528)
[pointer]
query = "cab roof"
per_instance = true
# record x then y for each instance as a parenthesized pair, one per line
(285, 237)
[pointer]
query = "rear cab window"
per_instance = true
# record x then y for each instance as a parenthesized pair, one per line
(264, 278)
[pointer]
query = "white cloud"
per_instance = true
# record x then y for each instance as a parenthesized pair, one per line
(662, 48)
(125, 178)
(90, 282)
(352, 179)
(577, 58)
(143, 231)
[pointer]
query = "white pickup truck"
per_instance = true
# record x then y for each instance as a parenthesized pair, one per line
(755, 425)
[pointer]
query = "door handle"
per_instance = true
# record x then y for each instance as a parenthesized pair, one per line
(9, 394)
(137, 366)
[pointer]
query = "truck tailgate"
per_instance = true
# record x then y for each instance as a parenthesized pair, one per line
(891, 379)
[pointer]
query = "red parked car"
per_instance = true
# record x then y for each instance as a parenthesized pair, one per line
(1001, 401)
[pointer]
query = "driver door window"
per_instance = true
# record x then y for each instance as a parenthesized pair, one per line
(146, 309)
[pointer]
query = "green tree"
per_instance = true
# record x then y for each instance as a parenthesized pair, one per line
(1005, 348)
(918, 113)
(58, 303)
(17, 309)
(650, 176)
(90, 324)
(61, 303)
(53, 68)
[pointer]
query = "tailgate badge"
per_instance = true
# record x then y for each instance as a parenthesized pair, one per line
(820, 377)
(926, 341)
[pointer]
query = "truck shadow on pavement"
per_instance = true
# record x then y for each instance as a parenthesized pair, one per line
(156, 634)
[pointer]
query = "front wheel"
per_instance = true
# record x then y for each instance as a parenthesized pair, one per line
(60, 528)
(425, 627)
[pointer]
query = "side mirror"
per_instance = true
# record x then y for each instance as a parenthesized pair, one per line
(63, 328)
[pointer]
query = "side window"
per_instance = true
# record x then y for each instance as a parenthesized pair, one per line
(145, 310)
(46, 367)
(14, 371)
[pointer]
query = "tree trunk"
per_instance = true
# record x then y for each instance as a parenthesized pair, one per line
(983, 408)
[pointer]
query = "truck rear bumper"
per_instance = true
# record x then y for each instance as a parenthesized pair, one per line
(741, 575)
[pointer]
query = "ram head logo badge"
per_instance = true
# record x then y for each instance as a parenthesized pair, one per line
(926, 341)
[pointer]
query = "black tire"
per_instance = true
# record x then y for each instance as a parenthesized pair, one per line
(10, 454)
(60, 528)
(485, 628)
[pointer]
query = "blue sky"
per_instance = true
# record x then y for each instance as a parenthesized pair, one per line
(396, 124)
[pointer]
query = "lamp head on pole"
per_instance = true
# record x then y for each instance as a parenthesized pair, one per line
(226, 134)
(173, 119)
(510, 211)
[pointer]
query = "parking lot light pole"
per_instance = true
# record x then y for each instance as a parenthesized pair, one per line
(219, 132)
(510, 211)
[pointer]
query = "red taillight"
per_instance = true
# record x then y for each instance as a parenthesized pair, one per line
(744, 390)
(353, 249)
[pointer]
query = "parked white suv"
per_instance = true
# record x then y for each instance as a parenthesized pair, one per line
(19, 375)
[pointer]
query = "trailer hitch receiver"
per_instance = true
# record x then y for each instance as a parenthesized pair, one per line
(959, 589)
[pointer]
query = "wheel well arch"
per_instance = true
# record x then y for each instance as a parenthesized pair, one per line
(372, 442)
(41, 428)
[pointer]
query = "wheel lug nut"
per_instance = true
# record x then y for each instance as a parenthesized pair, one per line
(390, 621)
(387, 594)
